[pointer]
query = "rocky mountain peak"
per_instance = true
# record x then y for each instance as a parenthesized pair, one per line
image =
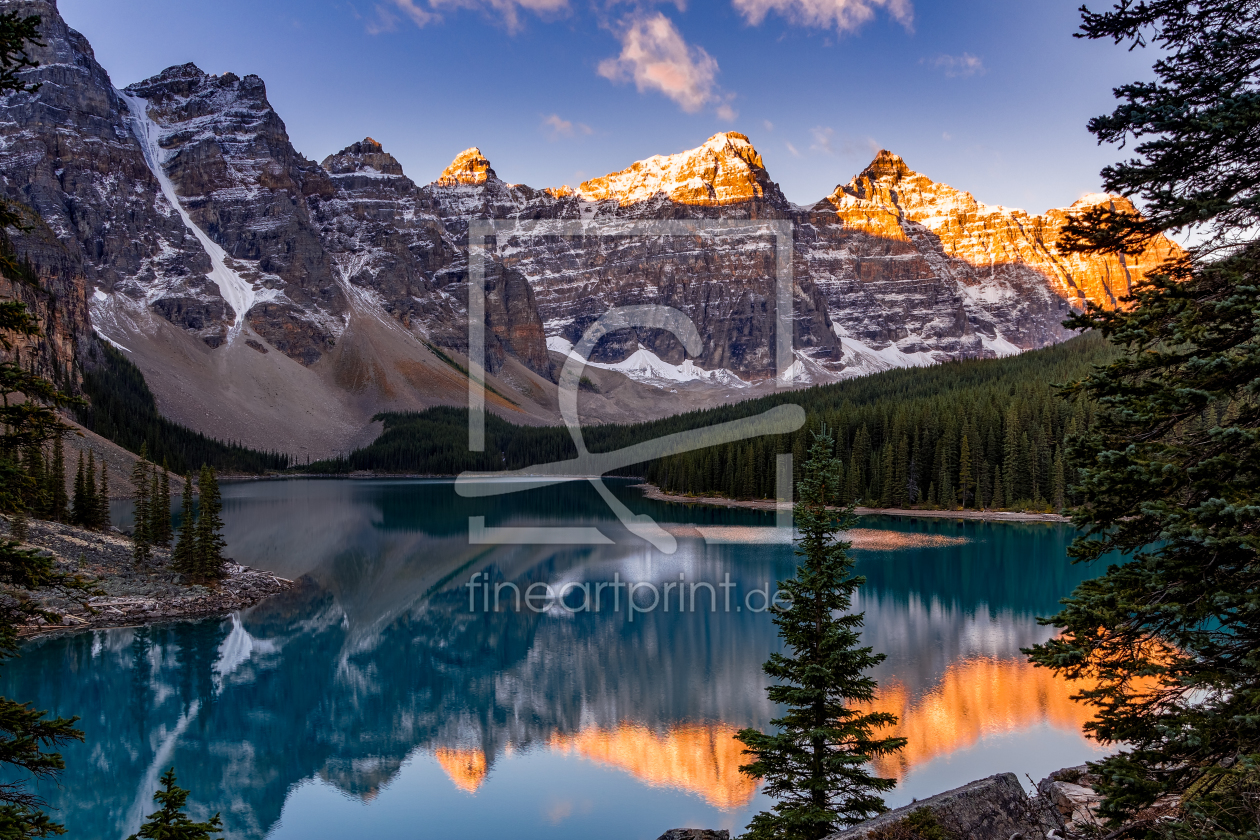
(470, 168)
(367, 154)
(886, 165)
(726, 169)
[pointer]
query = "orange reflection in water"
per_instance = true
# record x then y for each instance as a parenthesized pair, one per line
(974, 699)
(700, 758)
(467, 768)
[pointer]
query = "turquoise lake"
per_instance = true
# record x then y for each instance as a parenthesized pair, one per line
(379, 697)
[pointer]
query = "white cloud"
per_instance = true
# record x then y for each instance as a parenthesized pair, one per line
(424, 12)
(769, 125)
(792, 149)
(822, 139)
(958, 66)
(844, 15)
(561, 127)
(655, 56)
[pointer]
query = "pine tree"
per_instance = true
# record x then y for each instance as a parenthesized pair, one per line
(964, 470)
(999, 501)
(161, 505)
(209, 553)
(141, 518)
(80, 504)
(58, 503)
(815, 765)
(170, 822)
(184, 557)
(155, 507)
(1169, 473)
(1059, 492)
(91, 501)
(102, 500)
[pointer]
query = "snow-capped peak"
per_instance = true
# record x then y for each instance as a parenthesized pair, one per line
(724, 170)
(470, 168)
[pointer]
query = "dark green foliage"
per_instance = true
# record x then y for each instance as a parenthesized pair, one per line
(208, 546)
(1170, 472)
(17, 34)
(1171, 477)
(142, 519)
(28, 740)
(815, 764)
(1196, 161)
(184, 556)
(997, 400)
(122, 408)
(160, 508)
(170, 822)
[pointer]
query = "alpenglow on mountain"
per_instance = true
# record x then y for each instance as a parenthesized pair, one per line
(282, 302)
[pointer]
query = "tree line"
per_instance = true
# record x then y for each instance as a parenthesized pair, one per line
(121, 408)
(976, 433)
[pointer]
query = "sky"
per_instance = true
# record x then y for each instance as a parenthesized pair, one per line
(990, 96)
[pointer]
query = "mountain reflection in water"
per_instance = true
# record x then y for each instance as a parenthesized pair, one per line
(373, 680)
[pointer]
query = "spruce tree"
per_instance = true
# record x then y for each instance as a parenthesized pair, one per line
(91, 500)
(102, 499)
(58, 506)
(155, 507)
(80, 505)
(184, 556)
(815, 765)
(162, 508)
(170, 822)
(141, 518)
(964, 471)
(1168, 638)
(209, 553)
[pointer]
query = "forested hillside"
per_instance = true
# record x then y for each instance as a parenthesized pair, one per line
(976, 433)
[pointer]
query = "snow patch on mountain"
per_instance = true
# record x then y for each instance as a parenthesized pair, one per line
(238, 292)
(645, 366)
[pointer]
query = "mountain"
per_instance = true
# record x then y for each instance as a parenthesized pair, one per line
(282, 302)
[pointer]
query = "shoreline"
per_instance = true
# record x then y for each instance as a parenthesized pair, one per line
(651, 491)
(133, 595)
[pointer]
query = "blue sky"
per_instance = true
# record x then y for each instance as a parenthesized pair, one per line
(991, 96)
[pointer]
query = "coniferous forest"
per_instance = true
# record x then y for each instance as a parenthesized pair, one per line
(978, 433)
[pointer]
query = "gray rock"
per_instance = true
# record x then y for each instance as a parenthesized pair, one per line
(995, 808)
(695, 834)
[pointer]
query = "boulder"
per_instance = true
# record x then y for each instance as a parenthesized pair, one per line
(1071, 792)
(995, 808)
(695, 834)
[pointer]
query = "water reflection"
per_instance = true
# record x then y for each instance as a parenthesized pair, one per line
(373, 680)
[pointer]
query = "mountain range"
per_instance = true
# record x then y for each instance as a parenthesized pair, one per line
(281, 302)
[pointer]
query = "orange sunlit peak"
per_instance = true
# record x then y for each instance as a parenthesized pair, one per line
(467, 768)
(699, 758)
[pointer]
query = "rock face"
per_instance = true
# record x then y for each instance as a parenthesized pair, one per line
(178, 220)
(995, 808)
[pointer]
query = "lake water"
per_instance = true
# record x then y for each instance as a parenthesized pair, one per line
(380, 698)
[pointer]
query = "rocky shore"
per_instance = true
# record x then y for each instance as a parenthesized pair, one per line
(130, 594)
(997, 808)
(651, 491)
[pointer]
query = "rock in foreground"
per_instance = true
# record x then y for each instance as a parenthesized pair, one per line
(995, 808)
